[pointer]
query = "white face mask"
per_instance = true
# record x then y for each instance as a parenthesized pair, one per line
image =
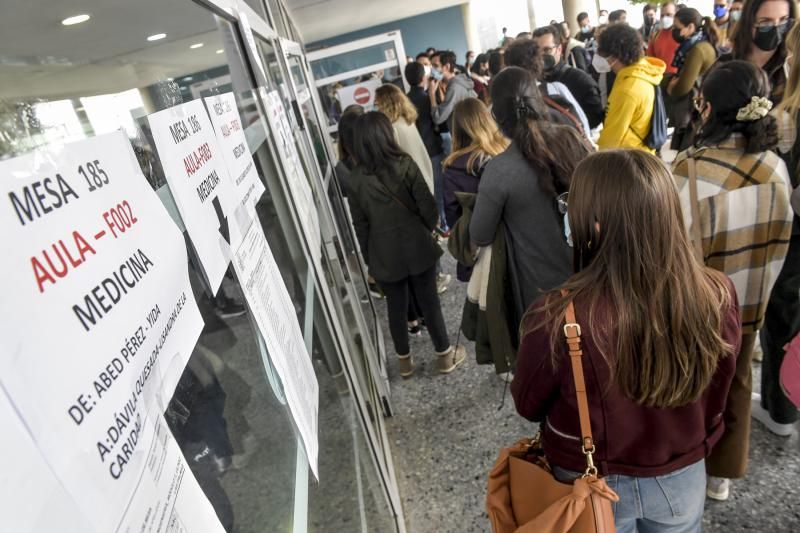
(600, 64)
(666, 22)
(602, 19)
(427, 70)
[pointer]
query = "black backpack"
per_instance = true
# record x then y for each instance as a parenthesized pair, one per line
(658, 123)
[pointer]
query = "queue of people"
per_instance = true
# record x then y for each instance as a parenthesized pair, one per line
(541, 161)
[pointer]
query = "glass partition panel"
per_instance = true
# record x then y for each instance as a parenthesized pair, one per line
(228, 412)
(354, 60)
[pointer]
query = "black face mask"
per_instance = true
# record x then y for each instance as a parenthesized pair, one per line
(549, 62)
(676, 35)
(771, 38)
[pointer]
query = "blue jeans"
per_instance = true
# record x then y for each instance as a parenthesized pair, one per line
(438, 187)
(672, 503)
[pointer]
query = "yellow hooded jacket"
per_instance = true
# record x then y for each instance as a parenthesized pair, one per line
(630, 105)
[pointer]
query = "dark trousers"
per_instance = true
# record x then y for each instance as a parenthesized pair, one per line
(397, 294)
(781, 324)
(729, 456)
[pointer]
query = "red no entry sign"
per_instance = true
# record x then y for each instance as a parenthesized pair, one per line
(361, 95)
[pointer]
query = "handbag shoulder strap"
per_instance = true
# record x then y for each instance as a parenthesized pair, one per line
(696, 233)
(400, 202)
(572, 332)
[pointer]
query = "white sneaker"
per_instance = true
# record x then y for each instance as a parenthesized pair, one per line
(442, 281)
(718, 488)
(763, 416)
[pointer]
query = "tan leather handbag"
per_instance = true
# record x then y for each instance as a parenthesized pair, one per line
(523, 496)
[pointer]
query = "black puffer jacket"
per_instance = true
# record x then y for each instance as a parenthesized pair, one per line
(394, 214)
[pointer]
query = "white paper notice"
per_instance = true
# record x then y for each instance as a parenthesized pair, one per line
(168, 498)
(298, 183)
(230, 134)
(199, 181)
(31, 497)
(98, 309)
(276, 317)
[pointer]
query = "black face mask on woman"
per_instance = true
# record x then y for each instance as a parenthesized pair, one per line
(770, 37)
(676, 35)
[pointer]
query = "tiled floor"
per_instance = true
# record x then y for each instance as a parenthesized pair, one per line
(447, 431)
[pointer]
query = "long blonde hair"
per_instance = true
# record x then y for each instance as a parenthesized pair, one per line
(639, 284)
(391, 101)
(791, 95)
(476, 133)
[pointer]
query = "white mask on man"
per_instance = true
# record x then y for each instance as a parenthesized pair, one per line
(427, 70)
(602, 19)
(600, 64)
(667, 22)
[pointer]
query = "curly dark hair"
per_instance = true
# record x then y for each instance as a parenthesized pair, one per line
(729, 87)
(622, 42)
(524, 53)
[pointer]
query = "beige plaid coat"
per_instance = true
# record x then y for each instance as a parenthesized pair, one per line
(746, 218)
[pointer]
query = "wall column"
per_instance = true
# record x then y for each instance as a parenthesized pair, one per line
(470, 29)
(573, 7)
(532, 14)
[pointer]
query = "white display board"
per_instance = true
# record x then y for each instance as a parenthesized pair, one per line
(99, 323)
(276, 317)
(198, 178)
(242, 170)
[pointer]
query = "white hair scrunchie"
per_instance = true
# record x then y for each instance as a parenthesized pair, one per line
(758, 108)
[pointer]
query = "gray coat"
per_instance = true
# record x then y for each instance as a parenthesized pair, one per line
(509, 193)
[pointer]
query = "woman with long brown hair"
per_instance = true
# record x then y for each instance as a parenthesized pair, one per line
(759, 38)
(782, 318)
(518, 190)
(659, 333)
(394, 213)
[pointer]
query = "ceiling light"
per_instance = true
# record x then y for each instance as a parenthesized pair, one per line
(157, 37)
(220, 51)
(188, 78)
(77, 19)
(196, 45)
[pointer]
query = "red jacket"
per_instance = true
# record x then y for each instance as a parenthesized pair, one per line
(630, 439)
(663, 46)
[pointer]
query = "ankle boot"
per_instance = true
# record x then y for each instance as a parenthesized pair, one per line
(451, 359)
(406, 365)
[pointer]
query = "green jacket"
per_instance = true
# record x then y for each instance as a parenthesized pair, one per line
(496, 340)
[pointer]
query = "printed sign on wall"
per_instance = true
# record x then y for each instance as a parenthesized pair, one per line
(198, 178)
(241, 168)
(99, 322)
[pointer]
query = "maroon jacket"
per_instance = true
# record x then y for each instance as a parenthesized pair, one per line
(630, 439)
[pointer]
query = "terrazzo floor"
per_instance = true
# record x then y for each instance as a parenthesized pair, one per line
(447, 431)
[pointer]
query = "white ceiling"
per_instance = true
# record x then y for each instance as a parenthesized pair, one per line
(39, 57)
(320, 19)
